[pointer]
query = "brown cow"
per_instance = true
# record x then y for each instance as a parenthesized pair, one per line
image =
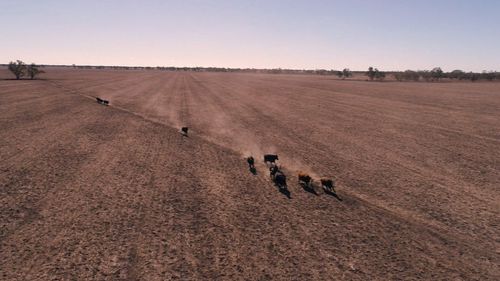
(304, 178)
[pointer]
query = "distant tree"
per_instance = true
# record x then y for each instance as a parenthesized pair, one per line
(275, 71)
(411, 75)
(426, 75)
(399, 76)
(18, 68)
(379, 75)
(321, 71)
(339, 74)
(371, 73)
(488, 75)
(33, 71)
(374, 73)
(456, 74)
(473, 76)
(346, 73)
(437, 73)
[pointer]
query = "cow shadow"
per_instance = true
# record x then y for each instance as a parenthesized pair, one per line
(333, 194)
(308, 188)
(253, 171)
(285, 191)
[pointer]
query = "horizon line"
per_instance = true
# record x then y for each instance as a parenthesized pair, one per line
(241, 68)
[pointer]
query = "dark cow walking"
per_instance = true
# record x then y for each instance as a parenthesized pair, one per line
(251, 162)
(184, 131)
(101, 101)
(280, 180)
(251, 165)
(271, 158)
(328, 185)
(277, 176)
(273, 170)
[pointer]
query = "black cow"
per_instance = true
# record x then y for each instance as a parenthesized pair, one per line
(280, 180)
(270, 158)
(251, 165)
(273, 170)
(328, 184)
(184, 131)
(101, 101)
(251, 162)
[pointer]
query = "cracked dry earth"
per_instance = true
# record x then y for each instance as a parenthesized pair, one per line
(89, 192)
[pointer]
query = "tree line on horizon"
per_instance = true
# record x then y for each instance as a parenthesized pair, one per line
(373, 74)
(437, 74)
(20, 69)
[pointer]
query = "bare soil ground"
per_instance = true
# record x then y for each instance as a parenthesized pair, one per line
(116, 193)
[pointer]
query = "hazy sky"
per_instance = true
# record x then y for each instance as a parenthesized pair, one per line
(390, 35)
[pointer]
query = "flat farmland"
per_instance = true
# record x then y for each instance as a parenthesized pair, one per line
(95, 192)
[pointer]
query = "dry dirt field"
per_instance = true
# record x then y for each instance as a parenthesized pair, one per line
(116, 193)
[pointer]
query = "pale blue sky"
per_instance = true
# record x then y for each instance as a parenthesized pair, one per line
(388, 34)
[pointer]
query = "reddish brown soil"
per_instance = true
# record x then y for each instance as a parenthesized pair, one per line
(107, 193)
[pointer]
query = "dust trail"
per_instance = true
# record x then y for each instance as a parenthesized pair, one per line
(224, 122)
(170, 105)
(164, 102)
(295, 166)
(218, 122)
(221, 118)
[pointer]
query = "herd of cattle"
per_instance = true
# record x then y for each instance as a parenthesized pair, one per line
(279, 177)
